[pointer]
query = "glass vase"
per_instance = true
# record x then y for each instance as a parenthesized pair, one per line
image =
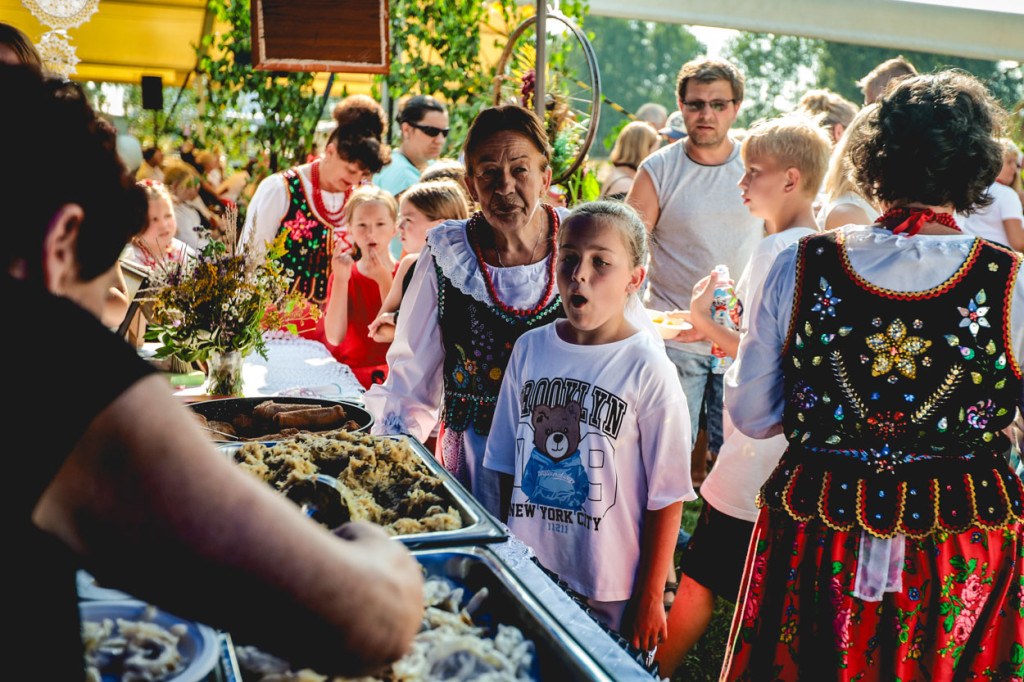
(224, 373)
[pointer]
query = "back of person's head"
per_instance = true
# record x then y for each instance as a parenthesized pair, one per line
(438, 200)
(653, 113)
(791, 142)
(21, 49)
(207, 159)
(633, 144)
(417, 106)
(876, 82)
(177, 173)
(91, 175)
(357, 137)
(150, 153)
(706, 70)
(370, 194)
(510, 118)
(827, 108)
(444, 169)
(620, 216)
(839, 177)
(931, 141)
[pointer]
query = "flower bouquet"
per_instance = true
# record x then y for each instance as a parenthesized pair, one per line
(214, 308)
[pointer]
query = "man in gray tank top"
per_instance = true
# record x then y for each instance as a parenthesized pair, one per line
(687, 195)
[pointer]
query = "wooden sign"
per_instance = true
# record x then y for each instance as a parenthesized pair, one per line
(343, 36)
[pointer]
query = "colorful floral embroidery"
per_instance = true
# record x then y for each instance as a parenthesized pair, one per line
(300, 228)
(826, 305)
(974, 313)
(895, 349)
(979, 413)
(803, 396)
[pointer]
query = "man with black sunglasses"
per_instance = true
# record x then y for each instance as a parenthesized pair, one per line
(424, 125)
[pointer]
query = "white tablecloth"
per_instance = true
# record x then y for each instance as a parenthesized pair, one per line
(294, 367)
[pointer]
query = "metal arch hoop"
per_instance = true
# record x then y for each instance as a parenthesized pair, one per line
(594, 85)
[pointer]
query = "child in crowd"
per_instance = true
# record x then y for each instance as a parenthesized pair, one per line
(156, 244)
(785, 160)
(423, 206)
(360, 279)
(591, 431)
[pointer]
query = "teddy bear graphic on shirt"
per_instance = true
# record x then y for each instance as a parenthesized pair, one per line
(554, 475)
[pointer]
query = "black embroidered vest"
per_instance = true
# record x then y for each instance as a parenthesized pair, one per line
(895, 402)
(310, 242)
(478, 340)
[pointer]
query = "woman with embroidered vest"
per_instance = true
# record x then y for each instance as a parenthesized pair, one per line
(889, 543)
(478, 285)
(308, 201)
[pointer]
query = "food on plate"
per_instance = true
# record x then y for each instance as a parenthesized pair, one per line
(132, 650)
(380, 480)
(268, 408)
(450, 646)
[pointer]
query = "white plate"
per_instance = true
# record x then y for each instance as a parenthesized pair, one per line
(668, 330)
(200, 645)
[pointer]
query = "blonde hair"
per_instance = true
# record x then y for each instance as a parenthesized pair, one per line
(792, 142)
(177, 172)
(839, 178)
(438, 200)
(622, 217)
(634, 144)
(828, 108)
(155, 191)
(1010, 150)
(369, 194)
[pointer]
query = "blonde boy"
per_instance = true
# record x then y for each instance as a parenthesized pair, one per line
(784, 161)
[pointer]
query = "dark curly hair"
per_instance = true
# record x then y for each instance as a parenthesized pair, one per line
(360, 128)
(53, 120)
(931, 141)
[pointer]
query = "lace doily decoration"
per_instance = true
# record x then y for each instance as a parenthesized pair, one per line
(61, 14)
(58, 54)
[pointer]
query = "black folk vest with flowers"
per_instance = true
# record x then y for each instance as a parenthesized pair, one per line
(478, 340)
(895, 402)
(309, 245)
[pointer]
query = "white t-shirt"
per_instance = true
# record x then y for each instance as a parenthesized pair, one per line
(744, 463)
(187, 218)
(594, 436)
(987, 223)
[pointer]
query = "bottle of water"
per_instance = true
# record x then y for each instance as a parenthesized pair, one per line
(724, 311)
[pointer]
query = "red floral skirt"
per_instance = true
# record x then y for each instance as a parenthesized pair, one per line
(959, 616)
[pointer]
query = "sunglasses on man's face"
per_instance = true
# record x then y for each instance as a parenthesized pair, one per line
(431, 130)
(716, 105)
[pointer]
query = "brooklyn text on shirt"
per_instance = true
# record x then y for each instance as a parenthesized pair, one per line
(599, 408)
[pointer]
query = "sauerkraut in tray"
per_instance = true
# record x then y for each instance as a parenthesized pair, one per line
(380, 480)
(449, 646)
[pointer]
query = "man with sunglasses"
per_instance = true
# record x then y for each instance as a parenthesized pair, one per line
(687, 195)
(424, 125)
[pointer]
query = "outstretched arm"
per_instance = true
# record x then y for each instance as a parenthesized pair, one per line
(155, 510)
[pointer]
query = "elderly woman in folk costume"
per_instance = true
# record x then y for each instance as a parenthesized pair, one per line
(478, 286)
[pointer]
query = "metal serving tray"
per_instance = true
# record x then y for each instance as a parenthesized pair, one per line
(478, 526)
(223, 409)
(509, 602)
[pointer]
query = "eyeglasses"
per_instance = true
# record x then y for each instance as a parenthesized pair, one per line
(716, 105)
(431, 130)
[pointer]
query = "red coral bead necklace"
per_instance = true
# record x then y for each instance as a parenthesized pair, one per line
(335, 218)
(474, 229)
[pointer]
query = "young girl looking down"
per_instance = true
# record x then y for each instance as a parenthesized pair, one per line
(423, 206)
(360, 279)
(592, 433)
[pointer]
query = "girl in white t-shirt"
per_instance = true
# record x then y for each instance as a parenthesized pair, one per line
(592, 433)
